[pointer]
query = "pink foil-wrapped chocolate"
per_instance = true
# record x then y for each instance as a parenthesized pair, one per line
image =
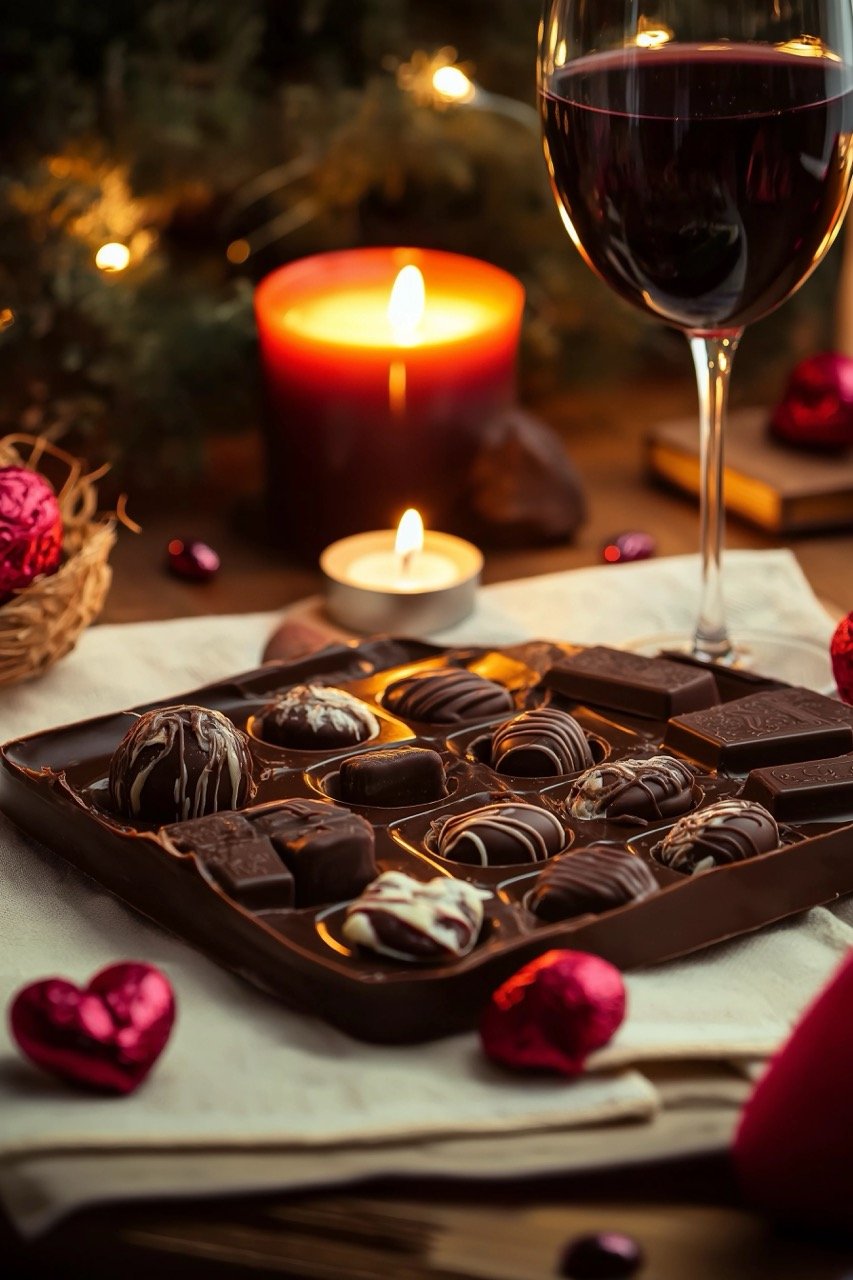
(552, 1013)
(30, 529)
(105, 1036)
(841, 652)
(816, 411)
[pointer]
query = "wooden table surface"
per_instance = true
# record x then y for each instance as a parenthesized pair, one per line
(687, 1215)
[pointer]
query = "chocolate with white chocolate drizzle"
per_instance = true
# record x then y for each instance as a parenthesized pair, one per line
(633, 790)
(180, 762)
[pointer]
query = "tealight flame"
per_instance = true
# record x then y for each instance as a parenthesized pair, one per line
(407, 305)
(112, 257)
(410, 538)
(452, 85)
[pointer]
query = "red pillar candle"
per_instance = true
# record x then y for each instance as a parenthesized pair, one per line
(381, 366)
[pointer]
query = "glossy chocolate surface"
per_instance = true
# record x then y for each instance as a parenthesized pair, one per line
(630, 682)
(265, 890)
(763, 729)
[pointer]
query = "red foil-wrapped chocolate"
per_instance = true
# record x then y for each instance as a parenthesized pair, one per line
(192, 560)
(106, 1036)
(30, 529)
(816, 411)
(841, 652)
(552, 1013)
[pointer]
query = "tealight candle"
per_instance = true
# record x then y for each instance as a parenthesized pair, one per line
(382, 366)
(408, 581)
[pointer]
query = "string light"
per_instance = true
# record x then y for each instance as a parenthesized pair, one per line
(112, 257)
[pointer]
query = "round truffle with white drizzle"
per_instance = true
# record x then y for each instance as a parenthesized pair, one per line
(401, 917)
(180, 762)
(499, 835)
(311, 717)
(727, 831)
(633, 790)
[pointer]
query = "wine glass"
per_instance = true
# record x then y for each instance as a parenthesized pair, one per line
(700, 153)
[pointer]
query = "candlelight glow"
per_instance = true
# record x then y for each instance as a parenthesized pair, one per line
(653, 38)
(452, 85)
(410, 534)
(808, 47)
(112, 257)
(407, 305)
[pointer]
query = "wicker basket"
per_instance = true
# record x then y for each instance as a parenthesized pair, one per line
(42, 623)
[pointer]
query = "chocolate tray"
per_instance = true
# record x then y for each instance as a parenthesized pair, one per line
(53, 786)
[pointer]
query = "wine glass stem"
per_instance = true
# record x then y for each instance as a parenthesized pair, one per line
(712, 357)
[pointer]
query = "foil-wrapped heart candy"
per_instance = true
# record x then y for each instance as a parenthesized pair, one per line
(105, 1036)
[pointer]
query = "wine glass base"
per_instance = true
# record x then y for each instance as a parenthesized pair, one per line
(794, 659)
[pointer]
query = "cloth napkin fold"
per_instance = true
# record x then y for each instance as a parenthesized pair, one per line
(243, 1074)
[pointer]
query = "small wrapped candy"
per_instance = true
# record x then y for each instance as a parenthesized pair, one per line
(30, 529)
(192, 560)
(106, 1036)
(841, 652)
(625, 548)
(607, 1255)
(552, 1013)
(816, 411)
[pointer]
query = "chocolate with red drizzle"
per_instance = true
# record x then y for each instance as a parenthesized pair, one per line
(401, 917)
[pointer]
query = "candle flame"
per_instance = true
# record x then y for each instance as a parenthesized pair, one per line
(407, 305)
(112, 257)
(410, 534)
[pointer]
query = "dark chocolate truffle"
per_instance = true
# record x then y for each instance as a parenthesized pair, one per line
(309, 717)
(395, 776)
(542, 743)
(401, 917)
(727, 831)
(328, 851)
(446, 696)
(633, 790)
(499, 835)
(180, 762)
(594, 879)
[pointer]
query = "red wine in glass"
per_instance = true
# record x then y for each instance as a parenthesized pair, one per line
(701, 185)
(703, 182)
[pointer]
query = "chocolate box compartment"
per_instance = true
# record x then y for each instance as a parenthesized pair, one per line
(42, 788)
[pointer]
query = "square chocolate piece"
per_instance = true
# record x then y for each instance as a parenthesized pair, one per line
(817, 789)
(328, 851)
(654, 687)
(252, 872)
(764, 729)
(242, 862)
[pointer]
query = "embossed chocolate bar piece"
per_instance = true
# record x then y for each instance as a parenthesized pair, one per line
(621, 681)
(797, 792)
(763, 729)
(243, 862)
